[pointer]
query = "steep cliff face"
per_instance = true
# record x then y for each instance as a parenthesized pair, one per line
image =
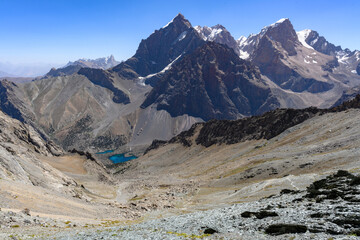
(212, 82)
(6, 105)
(161, 48)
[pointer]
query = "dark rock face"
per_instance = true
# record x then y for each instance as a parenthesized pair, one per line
(5, 104)
(353, 103)
(340, 185)
(82, 153)
(259, 215)
(212, 82)
(210, 231)
(358, 69)
(320, 44)
(279, 229)
(266, 126)
(342, 189)
(154, 145)
(161, 48)
(63, 71)
(104, 79)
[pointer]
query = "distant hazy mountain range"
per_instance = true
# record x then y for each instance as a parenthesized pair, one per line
(36, 70)
(4, 74)
(181, 75)
(73, 67)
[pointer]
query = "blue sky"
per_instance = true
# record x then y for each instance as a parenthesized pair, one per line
(53, 32)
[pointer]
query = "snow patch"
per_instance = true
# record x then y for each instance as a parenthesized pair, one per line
(244, 55)
(354, 71)
(181, 36)
(314, 41)
(214, 33)
(302, 35)
(342, 57)
(357, 55)
(242, 41)
(142, 79)
(282, 20)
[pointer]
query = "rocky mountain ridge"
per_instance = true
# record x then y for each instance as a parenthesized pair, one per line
(265, 126)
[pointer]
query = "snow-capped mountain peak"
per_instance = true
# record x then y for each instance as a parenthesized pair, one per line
(102, 63)
(178, 18)
(280, 31)
(218, 34)
(278, 23)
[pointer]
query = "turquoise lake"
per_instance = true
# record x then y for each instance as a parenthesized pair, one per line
(119, 158)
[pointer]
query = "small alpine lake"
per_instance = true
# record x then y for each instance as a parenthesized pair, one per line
(119, 158)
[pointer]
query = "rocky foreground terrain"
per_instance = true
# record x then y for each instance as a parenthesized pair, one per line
(232, 188)
(327, 209)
